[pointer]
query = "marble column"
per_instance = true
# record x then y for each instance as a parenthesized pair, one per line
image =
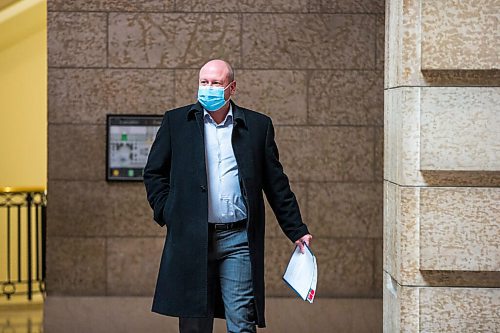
(442, 166)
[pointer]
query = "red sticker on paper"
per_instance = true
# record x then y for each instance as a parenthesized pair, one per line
(311, 295)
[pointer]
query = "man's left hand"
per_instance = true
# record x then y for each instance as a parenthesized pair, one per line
(306, 239)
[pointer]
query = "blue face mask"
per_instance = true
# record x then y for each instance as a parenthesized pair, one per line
(212, 98)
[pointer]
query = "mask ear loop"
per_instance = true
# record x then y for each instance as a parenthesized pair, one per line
(228, 85)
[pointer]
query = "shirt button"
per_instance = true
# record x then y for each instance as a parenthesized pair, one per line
(203, 188)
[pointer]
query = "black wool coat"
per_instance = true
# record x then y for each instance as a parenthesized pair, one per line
(176, 186)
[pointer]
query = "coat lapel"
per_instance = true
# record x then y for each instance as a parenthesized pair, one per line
(197, 128)
(241, 143)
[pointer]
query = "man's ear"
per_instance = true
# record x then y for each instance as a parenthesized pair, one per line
(233, 88)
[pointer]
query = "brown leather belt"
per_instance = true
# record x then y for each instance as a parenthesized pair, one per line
(228, 226)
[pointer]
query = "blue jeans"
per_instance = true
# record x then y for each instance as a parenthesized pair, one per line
(229, 265)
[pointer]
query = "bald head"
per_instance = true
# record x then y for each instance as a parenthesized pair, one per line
(217, 69)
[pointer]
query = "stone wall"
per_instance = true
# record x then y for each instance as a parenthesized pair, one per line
(441, 174)
(316, 67)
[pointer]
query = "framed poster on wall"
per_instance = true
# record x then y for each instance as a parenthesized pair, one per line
(129, 139)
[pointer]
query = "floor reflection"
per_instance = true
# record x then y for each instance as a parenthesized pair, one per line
(21, 318)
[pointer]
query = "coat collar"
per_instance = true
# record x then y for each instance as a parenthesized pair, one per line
(238, 113)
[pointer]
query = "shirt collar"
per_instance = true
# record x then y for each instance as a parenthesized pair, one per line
(238, 113)
(229, 116)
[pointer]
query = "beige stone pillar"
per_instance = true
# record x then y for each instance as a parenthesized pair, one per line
(442, 166)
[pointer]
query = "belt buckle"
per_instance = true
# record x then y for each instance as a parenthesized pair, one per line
(221, 226)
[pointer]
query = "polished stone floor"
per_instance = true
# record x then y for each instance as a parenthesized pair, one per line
(132, 314)
(21, 318)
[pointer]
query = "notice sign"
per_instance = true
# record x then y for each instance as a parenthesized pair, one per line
(129, 139)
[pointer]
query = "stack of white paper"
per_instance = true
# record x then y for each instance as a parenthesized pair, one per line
(302, 274)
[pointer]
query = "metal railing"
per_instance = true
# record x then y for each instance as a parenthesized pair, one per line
(22, 242)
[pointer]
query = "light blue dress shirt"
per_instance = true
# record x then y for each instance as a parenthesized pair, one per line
(225, 202)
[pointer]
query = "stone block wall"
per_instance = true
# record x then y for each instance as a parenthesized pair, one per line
(442, 171)
(315, 67)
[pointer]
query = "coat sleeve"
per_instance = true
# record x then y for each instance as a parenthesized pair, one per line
(157, 171)
(278, 192)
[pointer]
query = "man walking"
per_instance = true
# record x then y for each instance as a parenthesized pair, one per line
(205, 176)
